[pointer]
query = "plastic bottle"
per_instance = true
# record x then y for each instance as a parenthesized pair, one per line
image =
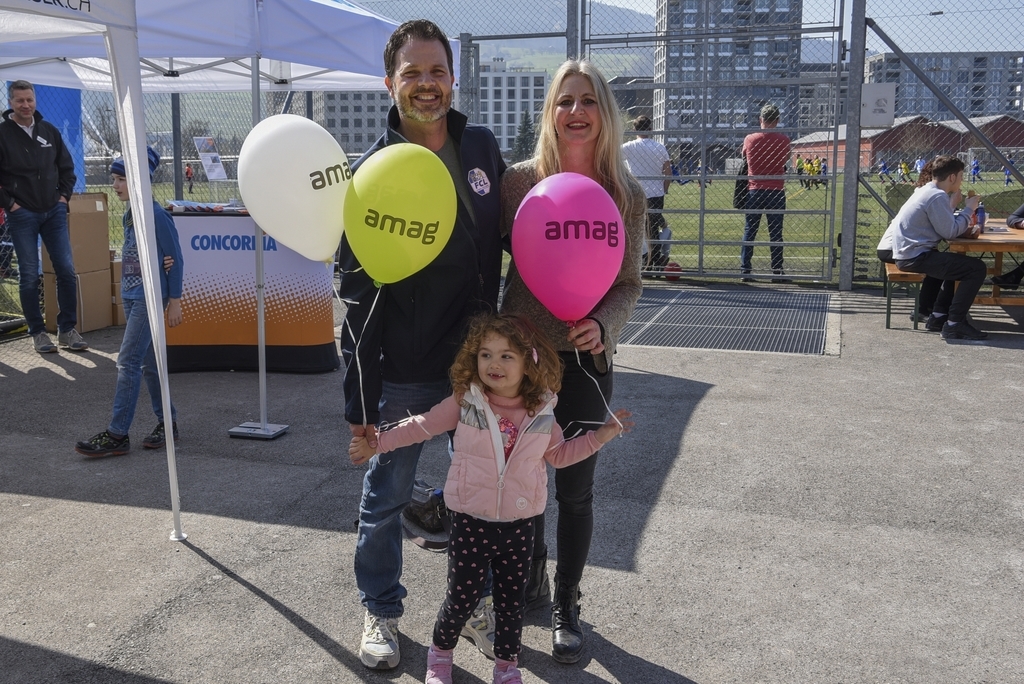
(981, 216)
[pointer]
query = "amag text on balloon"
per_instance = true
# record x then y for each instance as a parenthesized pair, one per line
(330, 176)
(416, 230)
(586, 230)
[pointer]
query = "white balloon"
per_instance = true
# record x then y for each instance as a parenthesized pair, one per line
(293, 176)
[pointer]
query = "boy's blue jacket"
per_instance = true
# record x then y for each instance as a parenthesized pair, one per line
(167, 245)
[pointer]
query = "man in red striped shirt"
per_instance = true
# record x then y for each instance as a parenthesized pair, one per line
(766, 152)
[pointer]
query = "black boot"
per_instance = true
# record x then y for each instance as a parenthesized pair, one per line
(538, 591)
(566, 632)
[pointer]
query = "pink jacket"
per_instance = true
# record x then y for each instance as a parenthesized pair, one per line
(481, 482)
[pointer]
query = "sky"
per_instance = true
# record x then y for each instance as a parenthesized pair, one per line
(974, 26)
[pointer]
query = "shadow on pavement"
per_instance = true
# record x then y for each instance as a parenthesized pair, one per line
(336, 650)
(621, 665)
(24, 663)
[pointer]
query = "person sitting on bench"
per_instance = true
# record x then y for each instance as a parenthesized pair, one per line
(922, 222)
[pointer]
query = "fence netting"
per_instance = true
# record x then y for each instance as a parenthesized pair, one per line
(702, 70)
(973, 57)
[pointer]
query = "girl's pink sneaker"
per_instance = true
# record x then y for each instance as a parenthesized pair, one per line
(506, 672)
(439, 666)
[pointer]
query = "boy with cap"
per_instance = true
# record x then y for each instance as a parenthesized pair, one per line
(137, 359)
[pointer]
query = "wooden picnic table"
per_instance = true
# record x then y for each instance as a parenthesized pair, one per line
(997, 239)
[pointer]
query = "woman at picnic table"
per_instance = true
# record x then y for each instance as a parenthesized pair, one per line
(580, 131)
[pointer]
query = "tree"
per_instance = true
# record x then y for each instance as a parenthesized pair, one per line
(101, 129)
(525, 139)
(196, 128)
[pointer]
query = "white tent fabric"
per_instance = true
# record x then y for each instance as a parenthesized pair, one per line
(342, 41)
(114, 20)
(195, 75)
(331, 34)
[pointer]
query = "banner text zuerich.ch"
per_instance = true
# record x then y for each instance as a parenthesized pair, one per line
(230, 243)
(75, 5)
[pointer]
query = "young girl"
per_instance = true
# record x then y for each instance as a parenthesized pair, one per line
(502, 411)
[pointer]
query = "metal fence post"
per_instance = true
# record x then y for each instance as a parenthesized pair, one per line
(179, 192)
(469, 81)
(851, 167)
(572, 29)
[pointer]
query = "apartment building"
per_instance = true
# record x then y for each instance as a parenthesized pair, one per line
(506, 95)
(716, 84)
(355, 118)
(978, 83)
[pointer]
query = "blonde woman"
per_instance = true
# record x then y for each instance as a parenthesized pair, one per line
(580, 131)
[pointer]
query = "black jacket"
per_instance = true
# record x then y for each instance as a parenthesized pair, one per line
(418, 323)
(34, 172)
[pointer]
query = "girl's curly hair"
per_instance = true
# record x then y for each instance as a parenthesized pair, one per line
(541, 375)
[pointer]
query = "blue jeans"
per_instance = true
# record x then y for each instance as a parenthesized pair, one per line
(26, 227)
(763, 200)
(387, 489)
(136, 361)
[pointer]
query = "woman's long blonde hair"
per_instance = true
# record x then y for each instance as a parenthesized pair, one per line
(612, 172)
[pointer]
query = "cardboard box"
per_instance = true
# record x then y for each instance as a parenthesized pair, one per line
(88, 203)
(115, 272)
(89, 231)
(94, 302)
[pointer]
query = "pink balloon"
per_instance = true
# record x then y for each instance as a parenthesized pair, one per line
(568, 241)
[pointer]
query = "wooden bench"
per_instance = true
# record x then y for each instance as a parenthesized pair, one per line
(894, 278)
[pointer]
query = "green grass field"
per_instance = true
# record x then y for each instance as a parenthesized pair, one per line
(716, 224)
(722, 224)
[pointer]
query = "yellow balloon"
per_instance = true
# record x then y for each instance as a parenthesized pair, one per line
(399, 211)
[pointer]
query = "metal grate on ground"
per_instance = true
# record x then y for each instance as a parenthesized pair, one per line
(757, 320)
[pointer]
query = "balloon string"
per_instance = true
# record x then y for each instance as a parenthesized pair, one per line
(599, 392)
(358, 339)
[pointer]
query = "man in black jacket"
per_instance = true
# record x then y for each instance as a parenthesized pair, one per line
(37, 178)
(408, 343)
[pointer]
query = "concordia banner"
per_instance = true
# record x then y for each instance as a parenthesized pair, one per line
(219, 301)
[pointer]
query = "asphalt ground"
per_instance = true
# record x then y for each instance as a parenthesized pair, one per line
(851, 517)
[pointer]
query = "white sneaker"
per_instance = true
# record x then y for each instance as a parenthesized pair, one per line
(379, 647)
(479, 628)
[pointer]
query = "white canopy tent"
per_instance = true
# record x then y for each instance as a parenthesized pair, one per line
(335, 35)
(203, 46)
(113, 22)
(194, 75)
(330, 34)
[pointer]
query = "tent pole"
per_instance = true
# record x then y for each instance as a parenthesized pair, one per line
(260, 430)
(123, 50)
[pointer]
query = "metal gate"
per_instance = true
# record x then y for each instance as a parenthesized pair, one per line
(702, 70)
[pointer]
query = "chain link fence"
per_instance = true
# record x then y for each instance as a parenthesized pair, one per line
(702, 70)
(956, 76)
